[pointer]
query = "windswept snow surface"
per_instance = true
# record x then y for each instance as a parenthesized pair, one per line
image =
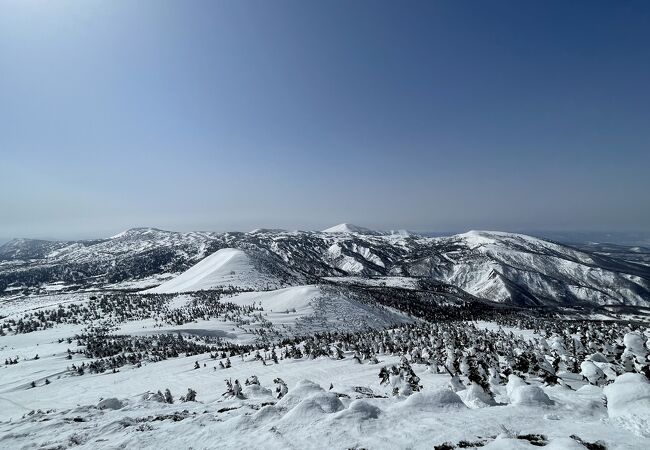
(225, 267)
(298, 298)
(310, 416)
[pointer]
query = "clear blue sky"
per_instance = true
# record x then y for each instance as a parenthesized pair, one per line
(223, 115)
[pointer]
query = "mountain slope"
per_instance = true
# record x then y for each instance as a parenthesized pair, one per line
(223, 268)
(349, 228)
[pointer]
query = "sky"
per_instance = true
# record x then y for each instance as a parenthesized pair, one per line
(233, 115)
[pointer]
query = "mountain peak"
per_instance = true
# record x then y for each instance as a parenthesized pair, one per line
(348, 228)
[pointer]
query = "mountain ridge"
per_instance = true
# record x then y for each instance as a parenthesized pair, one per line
(497, 266)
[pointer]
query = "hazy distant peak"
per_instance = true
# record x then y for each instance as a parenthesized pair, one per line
(138, 231)
(348, 228)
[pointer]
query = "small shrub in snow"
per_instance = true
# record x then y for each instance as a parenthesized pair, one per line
(280, 388)
(233, 389)
(190, 396)
(402, 378)
(252, 380)
(168, 397)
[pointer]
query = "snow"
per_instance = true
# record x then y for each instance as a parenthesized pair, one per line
(297, 297)
(309, 416)
(119, 409)
(111, 403)
(592, 372)
(399, 282)
(431, 401)
(15, 307)
(497, 266)
(628, 403)
(635, 345)
(225, 267)
(529, 395)
(330, 403)
(348, 228)
(476, 397)
(491, 326)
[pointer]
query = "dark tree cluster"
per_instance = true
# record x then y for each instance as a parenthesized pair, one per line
(123, 307)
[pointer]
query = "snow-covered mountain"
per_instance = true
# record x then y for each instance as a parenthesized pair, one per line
(496, 266)
(223, 268)
(323, 340)
(349, 228)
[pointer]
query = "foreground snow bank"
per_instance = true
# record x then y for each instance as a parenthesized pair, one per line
(628, 403)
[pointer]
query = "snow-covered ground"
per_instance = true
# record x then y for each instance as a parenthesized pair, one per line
(16, 306)
(331, 402)
(398, 282)
(311, 415)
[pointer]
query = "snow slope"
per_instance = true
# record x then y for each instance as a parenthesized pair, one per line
(298, 297)
(349, 228)
(308, 309)
(225, 267)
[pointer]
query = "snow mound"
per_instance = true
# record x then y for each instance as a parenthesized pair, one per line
(314, 407)
(529, 395)
(110, 403)
(432, 400)
(475, 397)
(359, 411)
(348, 228)
(521, 393)
(225, 267)
(302, 390)
(256, 391)
(628, 403)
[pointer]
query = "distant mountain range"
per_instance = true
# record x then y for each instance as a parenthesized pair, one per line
(495, 266)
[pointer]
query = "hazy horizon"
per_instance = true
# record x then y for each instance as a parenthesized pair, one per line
(444, 115)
